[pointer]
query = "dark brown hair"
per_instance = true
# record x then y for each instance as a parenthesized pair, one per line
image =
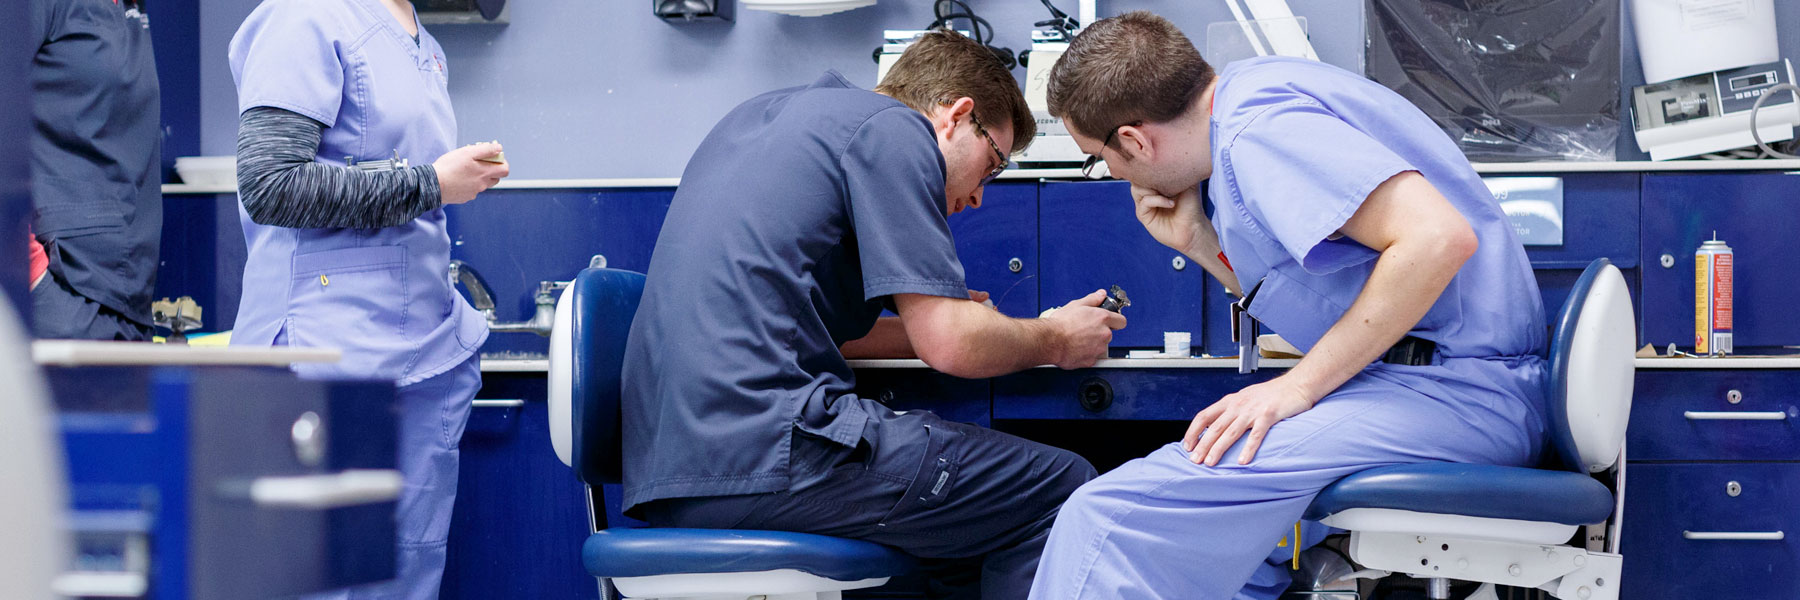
(943, 66)
(1136, 67)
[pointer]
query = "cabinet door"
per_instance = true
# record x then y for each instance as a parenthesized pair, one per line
(1090, 239)
(1758, 215)
(1599, 220)
(997, 237)
(1671, 508)
(520, 515)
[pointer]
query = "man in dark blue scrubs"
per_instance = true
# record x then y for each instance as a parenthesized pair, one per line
(96, 168)
(801, 216)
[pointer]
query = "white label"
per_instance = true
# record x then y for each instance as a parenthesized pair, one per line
(1698, 15)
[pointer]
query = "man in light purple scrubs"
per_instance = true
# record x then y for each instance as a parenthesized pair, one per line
(355, 258)
(1362, 236)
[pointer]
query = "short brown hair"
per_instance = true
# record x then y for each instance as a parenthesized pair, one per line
(1126, 69)
(944, 65)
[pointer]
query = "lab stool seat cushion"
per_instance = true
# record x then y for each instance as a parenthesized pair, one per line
(620, 552)
(1470, 490)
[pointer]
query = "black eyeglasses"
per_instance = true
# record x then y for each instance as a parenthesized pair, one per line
(1087, 167)
(998, 155)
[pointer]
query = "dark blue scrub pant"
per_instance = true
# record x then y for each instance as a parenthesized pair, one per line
(58, 312)
(974, 503)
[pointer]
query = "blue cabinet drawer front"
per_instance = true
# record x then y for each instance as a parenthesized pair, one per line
(952, 398)
(1662, 501)
(1136, 394)
(1669, 407)
(1090, 238)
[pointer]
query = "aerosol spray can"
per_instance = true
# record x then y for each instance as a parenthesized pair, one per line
(1712, 297)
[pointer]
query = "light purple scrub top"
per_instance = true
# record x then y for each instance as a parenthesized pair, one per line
(381, 295)
(1297, 146)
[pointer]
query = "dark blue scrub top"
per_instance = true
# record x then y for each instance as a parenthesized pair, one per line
(798, 215)
(96, 149)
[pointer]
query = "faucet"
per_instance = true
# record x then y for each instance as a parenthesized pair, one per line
(483, 300)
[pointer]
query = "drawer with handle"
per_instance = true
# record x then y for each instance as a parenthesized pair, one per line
(1721, 529)
(1715, 415)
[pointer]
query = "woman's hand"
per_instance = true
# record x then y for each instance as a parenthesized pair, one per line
(462, 174)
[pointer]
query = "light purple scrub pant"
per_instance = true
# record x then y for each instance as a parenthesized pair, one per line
(433, 414)
(1164, 527)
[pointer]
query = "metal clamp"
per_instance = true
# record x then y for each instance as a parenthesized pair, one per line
(1735, 536)
(1695, 415)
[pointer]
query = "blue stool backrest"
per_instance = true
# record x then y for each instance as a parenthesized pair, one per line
(1588, 393)
(604, 302)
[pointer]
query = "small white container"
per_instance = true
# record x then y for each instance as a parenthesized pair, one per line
(208, 171)
(1178, 343)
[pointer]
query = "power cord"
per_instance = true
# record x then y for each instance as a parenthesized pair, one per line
(1757, 135)
(980, 30)
(1060, 21)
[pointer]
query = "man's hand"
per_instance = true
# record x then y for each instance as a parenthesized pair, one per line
(1254, 409)
(1086, 330)
(1175, 222)
(982, 298)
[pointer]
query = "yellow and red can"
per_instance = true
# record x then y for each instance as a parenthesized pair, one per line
(1712, 298)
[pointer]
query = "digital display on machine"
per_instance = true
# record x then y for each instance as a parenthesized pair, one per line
(1751, 81)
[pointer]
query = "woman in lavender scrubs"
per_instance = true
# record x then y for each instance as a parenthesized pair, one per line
(348, 251)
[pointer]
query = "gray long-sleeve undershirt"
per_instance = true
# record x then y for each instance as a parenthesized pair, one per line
(281, 184)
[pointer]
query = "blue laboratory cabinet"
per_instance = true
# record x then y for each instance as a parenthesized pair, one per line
(163, 461)
(1713, 468)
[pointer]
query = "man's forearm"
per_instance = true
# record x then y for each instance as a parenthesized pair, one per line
(1407, 280)
(1206, 252)
(997, 344)
(886, 340)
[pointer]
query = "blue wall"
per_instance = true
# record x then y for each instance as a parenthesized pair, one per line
(600, 88)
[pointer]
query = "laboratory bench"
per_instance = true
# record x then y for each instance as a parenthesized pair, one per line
(1709, 477)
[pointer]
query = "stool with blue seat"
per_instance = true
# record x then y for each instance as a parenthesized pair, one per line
(587, 352)
(1512, 525)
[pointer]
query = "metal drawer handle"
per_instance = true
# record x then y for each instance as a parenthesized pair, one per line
(1768, 536)
(497, 403)
(352, 487)
(1694, 415)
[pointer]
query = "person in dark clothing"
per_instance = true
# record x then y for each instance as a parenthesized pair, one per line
(803, 214)
(96, 159)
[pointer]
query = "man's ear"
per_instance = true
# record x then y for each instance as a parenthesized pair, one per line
(1134, 143)
(945, 117)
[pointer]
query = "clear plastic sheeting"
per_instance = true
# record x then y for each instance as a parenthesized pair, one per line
(1508, 80)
